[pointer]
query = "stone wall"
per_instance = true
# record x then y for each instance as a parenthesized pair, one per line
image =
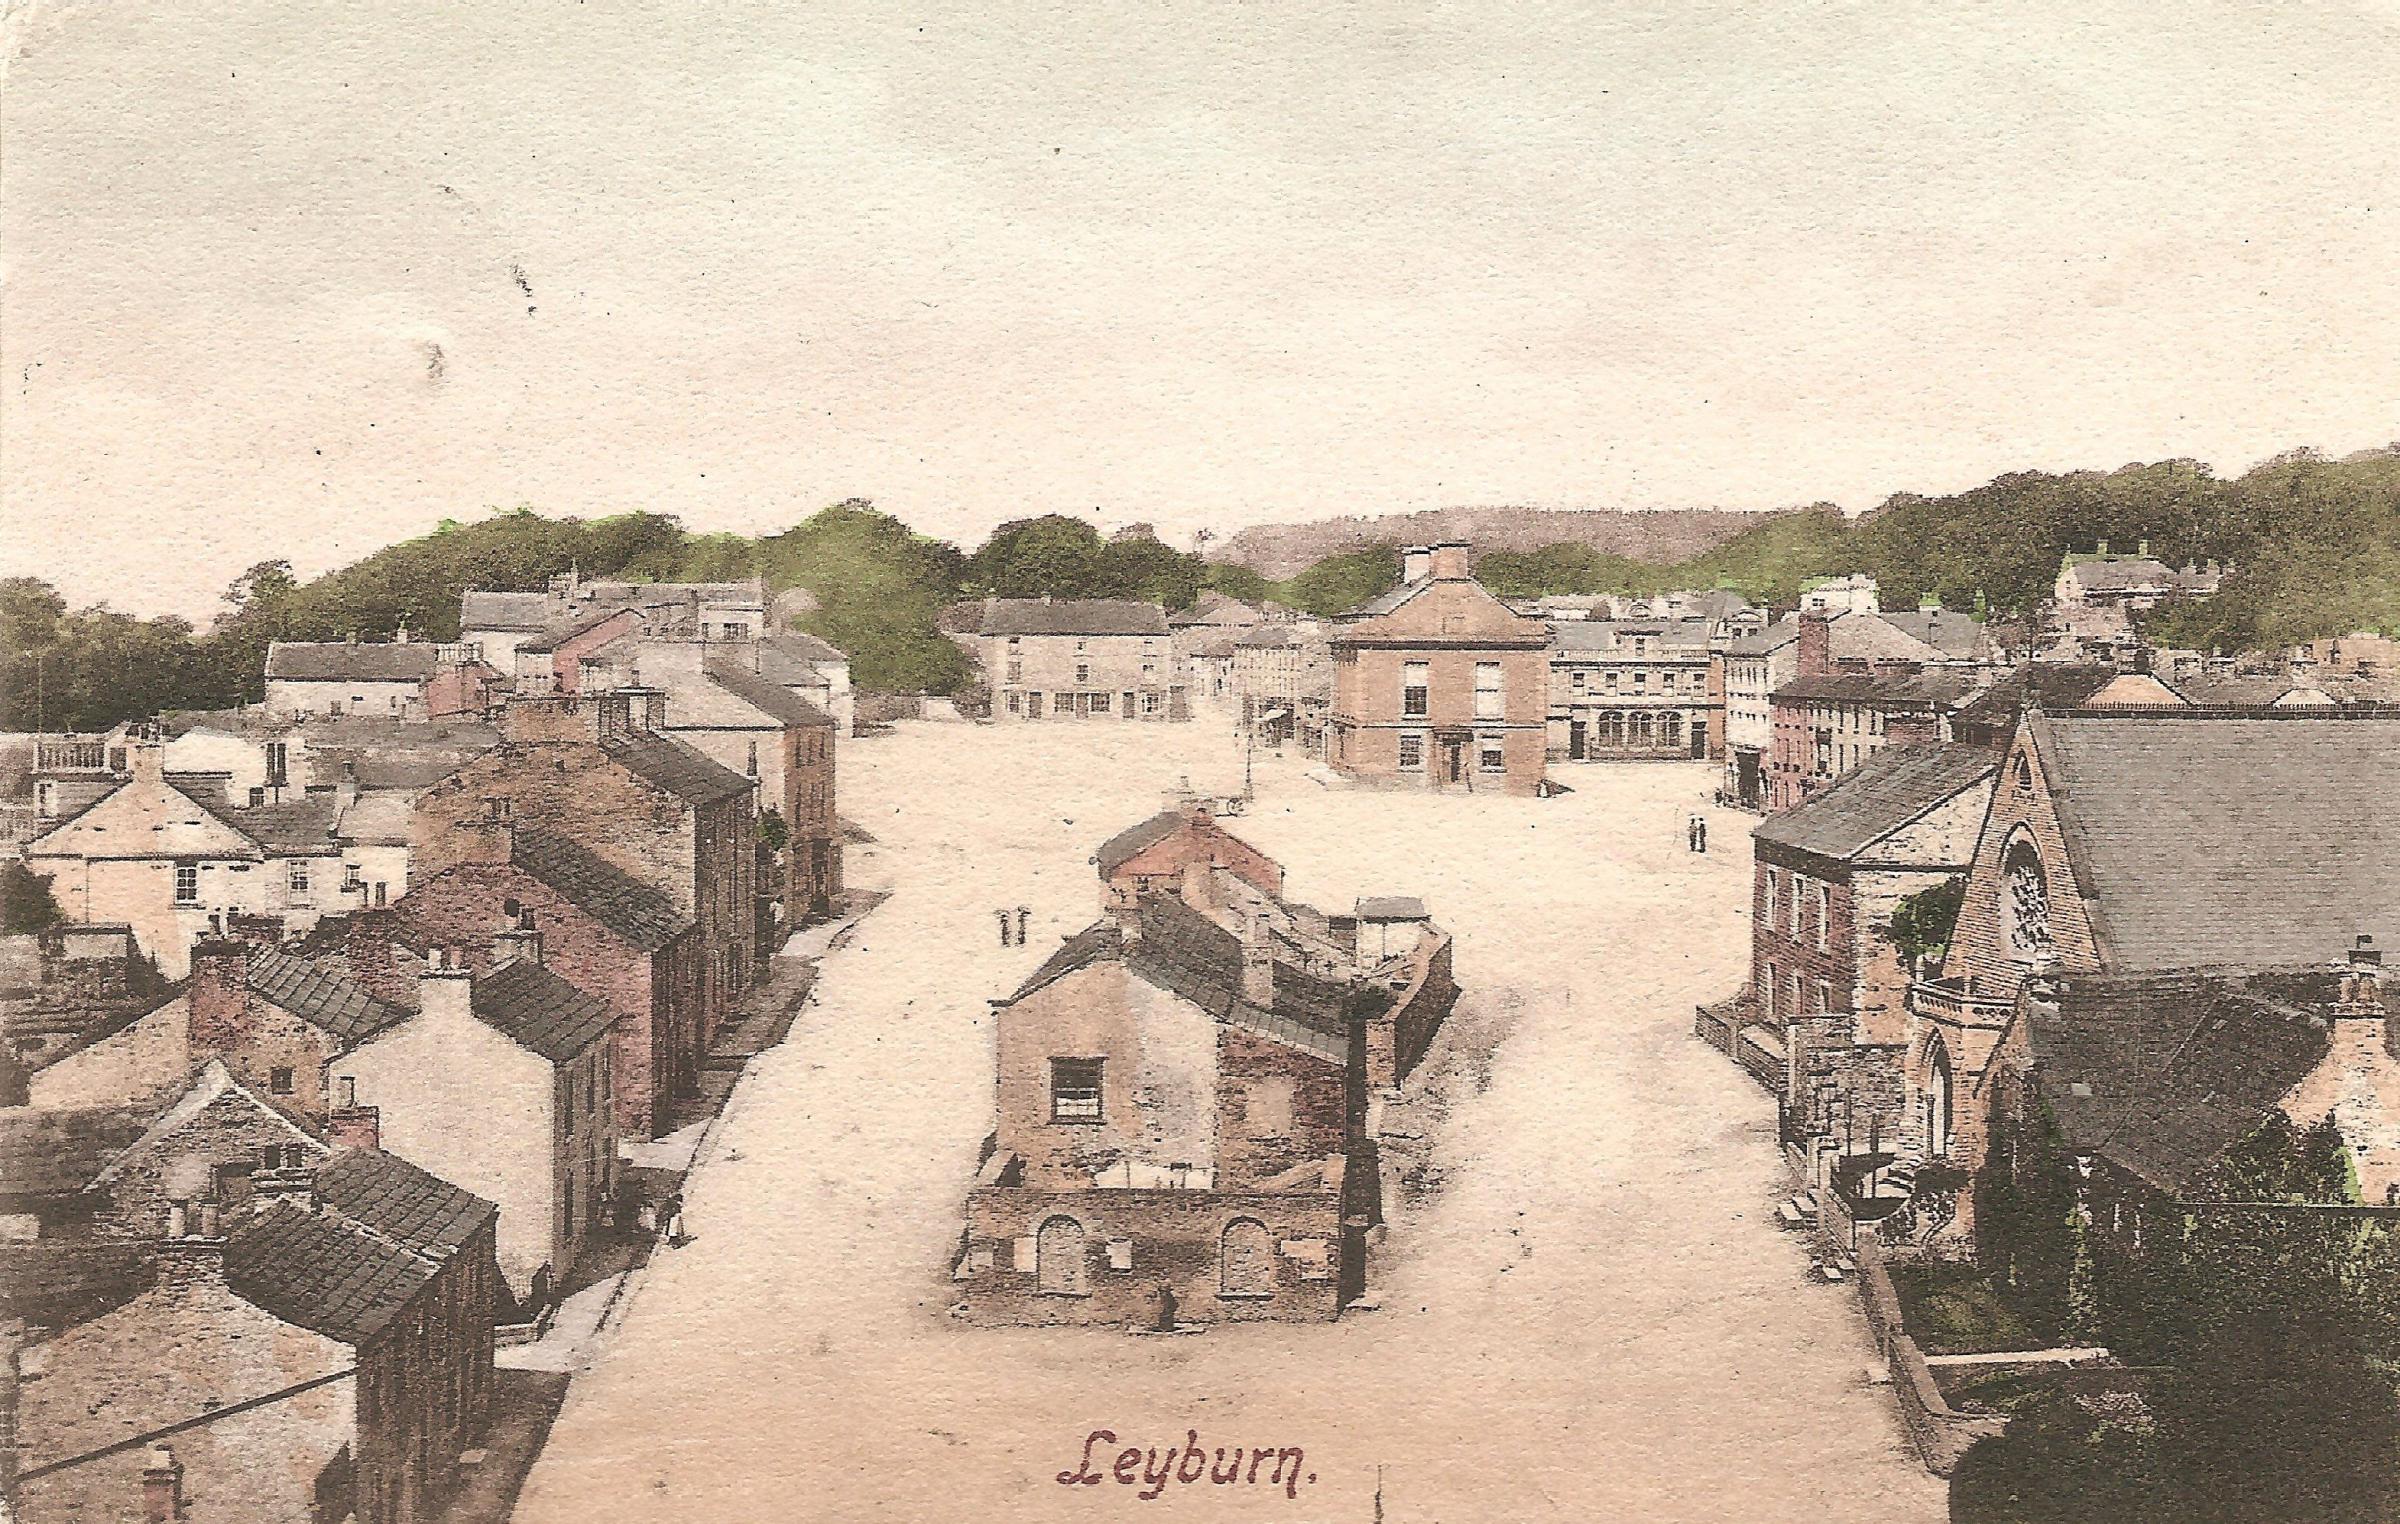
(1170, 1237)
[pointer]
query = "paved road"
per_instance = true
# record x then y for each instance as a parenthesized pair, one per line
(1594, 1320)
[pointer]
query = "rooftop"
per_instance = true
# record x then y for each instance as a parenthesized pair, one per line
(1072, 616)
(2248, 840)
(676, 766)
(538, 1010)
(642, 915)
(777, 703)
(1888, 790)
(378, 661)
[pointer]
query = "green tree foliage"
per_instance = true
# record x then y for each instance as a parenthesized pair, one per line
(25, 900)
(2315, 544)
(880, 587)
(1342, 582)
(1922, 922)
(1236, 582)
(2025, 1230)
(1059, 557)
(2058, 1463)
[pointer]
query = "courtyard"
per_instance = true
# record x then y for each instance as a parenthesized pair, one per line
(1593, 1317)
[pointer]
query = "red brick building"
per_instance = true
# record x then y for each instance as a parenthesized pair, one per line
(597, 771)
(1438, 684)
(532, 892)
(1155, 853)
(1835, 715)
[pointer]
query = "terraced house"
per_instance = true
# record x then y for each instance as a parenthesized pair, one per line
(1079, 659)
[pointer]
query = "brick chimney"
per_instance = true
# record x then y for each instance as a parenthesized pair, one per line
(1450, 561)
(217, 998)
(193, 1252)
(1912, 727)
(355, 1127)
(545, 717)
(162, 1486)
(2362, 975)
(1416, 563)
(1816, 643)
(489, 838)
(146, 762)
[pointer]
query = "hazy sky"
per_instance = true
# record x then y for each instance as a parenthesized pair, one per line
(300, 280)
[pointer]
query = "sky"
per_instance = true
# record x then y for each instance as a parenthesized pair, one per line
(300, 280)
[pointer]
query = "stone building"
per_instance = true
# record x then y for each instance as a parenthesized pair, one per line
(500, 1082)
(531, 893)
(1627, 690)
(2147, 841)
(325, 1354)
(1283, 682)
(1079, 658)
(274, 1018)
(1756, 663)
(601, 772)
(1155, 852)
(1188, 1094)
(1822, 1020)
(495, 624)
(61, 982)
(1438, 684)
(396, 679)
(172, 860)
(2153, 1079)
(2097, 593)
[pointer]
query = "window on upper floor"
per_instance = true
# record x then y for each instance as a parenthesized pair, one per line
(1075, 1089)
(187, 883)
(1416, 688)
(1489, 699)
(279, 1081)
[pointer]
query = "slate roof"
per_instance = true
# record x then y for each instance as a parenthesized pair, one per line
(558, 632)
(1073, 616)
(779, 655)
(642, 915)
(323, 1271)
(2162, 1075)
(479, 610)
(536, 1009)
(1678, 639)
(777, 703)
(1215, 608)
(676, 766)
(302, 826)
(370, 661)
(1934, 688)
(56, 1153)
(1778, 634)
(1392, 907)
(323, 994)
(2122, 573)
(1121, 848)
(2052, 685)
(422, 1211)
(2202, 839)
(1888, 790)
(1952, 633)
(1186, 954)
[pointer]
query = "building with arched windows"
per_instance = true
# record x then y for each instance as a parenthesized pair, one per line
(2150, 843)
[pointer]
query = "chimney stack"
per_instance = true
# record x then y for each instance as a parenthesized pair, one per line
(521, 941)
(1258, 964)
(1912, 728)
(146, 761)
(162, 1486)
(355, 1127)
(1450, 561)
(1816, 643)
(2362, 974)
(217, 1000)
(490, 838)
(1416, 563)
(446, 988)
(296, 1184)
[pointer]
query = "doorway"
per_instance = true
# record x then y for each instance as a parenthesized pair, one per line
(1454, 761)
(1575, 740)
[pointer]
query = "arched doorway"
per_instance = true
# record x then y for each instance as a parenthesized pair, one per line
(1246, 1259)
(1938, 1113)
(1058, 1257)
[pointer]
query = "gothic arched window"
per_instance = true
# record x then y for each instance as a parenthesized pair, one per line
(2025, 901)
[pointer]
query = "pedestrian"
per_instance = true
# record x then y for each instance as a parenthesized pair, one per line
(1700, 827)
(1691, 833)
(1024, 915)
(1002, 912)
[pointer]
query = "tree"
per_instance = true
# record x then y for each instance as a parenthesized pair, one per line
(2056, 1463)
(26, 904)
(1922, 922)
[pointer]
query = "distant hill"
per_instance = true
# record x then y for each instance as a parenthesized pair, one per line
(1662, 536)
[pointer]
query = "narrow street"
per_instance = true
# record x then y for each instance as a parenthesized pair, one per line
(1594, 1319)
